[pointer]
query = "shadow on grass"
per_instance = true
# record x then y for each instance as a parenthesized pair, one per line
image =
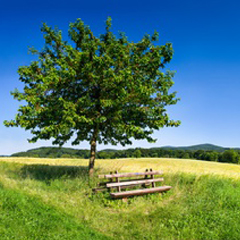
(49, 172)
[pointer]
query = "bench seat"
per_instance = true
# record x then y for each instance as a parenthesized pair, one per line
(135, 182)
(139, 192)
(120, 175)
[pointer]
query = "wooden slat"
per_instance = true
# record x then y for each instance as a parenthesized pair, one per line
(136, 182)
(123, 180)
(103, 185)
(122, 187)
(130, 174)
(140, 192)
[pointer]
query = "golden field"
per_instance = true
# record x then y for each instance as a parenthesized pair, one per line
(168, 165)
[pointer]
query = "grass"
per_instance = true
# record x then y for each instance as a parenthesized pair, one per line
(168, 165)
(52, 199)
(27, 217)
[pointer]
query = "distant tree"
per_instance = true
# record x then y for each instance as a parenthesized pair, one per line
(229, 156)
(155, 155)
(65, 155)
(213, 156)
(137, 153)
(100, 89)
(185, 155)
(103, 155)
(181, 153)
(51, 155)
(198, 154)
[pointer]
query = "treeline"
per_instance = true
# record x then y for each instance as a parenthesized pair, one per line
(226, 155)
(53, 152)
(229, 155)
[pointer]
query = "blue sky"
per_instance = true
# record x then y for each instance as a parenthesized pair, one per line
(205, 36)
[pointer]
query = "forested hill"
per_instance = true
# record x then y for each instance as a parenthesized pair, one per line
(207, 152)
(59, 152)
(53, 152)
(204, 147)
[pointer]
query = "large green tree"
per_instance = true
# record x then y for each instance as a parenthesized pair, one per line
(100, 89)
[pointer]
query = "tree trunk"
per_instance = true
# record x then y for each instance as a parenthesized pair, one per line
(92, 153)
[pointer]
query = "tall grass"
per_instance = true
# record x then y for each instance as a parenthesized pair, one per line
(168, 165)
(39, 201)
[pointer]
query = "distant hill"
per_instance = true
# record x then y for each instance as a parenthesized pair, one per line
(204, 147)
(56, 152)
(53, 152)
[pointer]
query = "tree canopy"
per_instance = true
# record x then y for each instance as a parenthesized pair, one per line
(101, 89)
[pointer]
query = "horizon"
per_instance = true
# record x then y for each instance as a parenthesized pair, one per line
(205, 40)
(126, 148)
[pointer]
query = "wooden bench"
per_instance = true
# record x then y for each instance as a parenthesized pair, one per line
(115, 183)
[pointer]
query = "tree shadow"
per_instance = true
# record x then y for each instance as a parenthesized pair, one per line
(50, 172)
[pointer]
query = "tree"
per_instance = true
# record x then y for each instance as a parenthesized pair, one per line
(100, 89)
(137, 153)
(230, 156)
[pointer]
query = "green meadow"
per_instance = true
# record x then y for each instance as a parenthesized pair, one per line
(53, 199)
